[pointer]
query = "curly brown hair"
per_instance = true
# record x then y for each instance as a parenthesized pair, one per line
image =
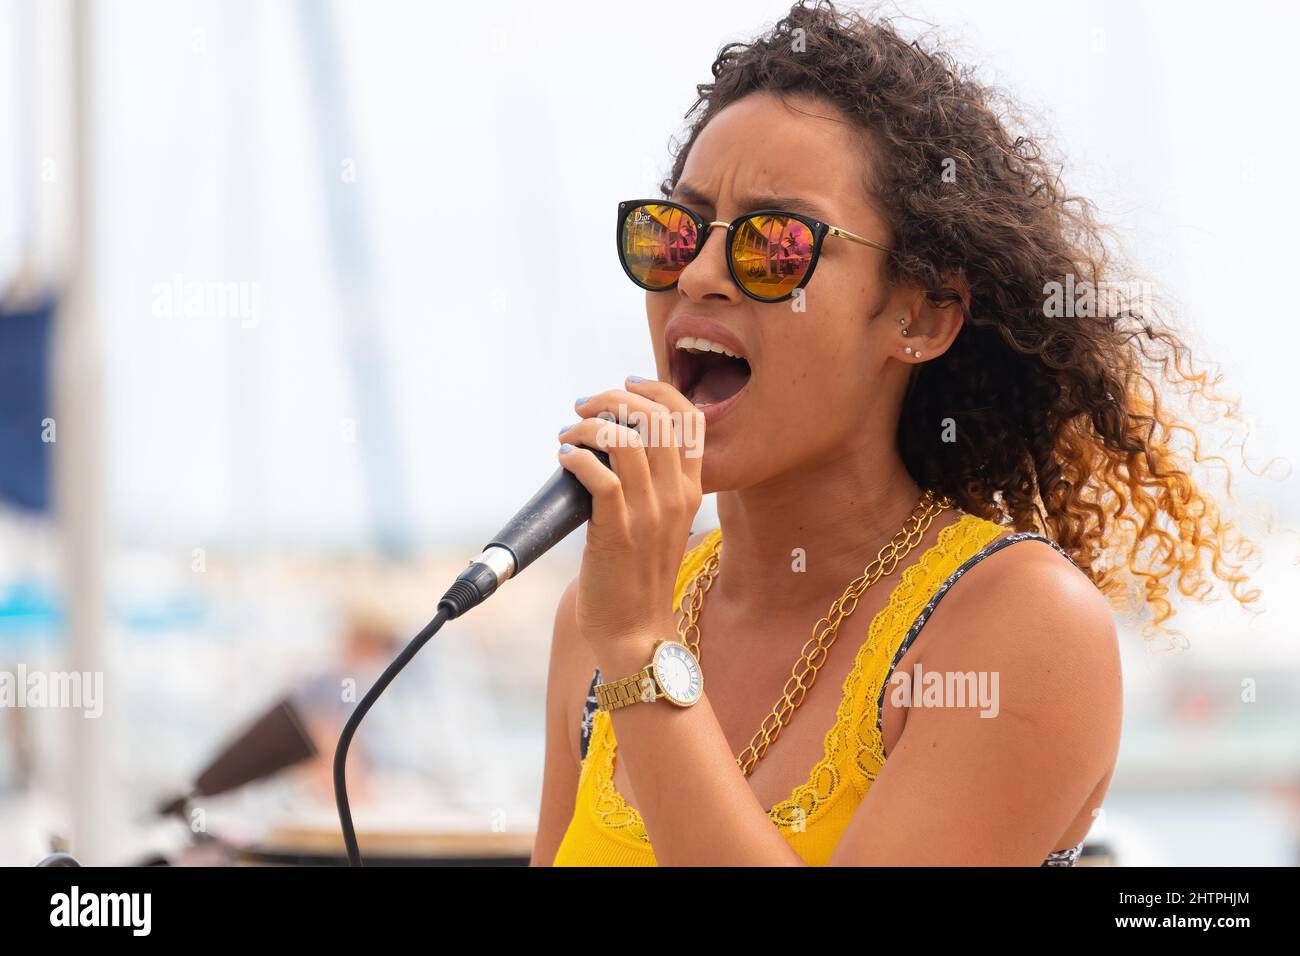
(1061, 420)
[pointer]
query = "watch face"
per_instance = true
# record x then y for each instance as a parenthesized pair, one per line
(678, 673)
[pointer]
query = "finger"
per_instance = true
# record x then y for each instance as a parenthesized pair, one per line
(693, 446)
(626, 454)
(608, 509)
(649, 418)
(687, 420)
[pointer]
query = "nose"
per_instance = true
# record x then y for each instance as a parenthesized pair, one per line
(707, 277)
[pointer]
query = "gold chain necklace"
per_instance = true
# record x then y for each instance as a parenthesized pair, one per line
(815, 651)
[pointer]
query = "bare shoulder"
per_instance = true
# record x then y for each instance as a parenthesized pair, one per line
(1030, 602)
(1013, 720)
(1029, 589)
(1028, 614)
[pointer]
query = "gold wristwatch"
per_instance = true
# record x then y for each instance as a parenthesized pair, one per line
(672, 674)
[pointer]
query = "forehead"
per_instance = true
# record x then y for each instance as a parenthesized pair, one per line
(765, 145)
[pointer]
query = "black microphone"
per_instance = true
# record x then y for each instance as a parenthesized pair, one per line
(560, 506)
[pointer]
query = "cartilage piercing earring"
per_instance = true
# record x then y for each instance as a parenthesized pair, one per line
(903, 322)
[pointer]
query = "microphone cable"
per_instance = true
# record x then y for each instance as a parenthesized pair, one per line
(354, 720)
(465, 593)
(558, 508)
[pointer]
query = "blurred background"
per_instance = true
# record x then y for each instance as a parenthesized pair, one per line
(261, 262)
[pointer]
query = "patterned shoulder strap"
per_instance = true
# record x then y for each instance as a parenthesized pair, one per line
(991, 548)
(589, 714)
(1067, 857)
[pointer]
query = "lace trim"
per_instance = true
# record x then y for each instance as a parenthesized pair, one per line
(905, 601)
(609, 804)
(824, 781)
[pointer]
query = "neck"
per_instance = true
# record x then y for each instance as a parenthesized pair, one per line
(837, 515)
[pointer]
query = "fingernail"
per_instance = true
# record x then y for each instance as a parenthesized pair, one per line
(565, 448)
(582, 400)
(565, 429)
(635, 378)
(607, 416)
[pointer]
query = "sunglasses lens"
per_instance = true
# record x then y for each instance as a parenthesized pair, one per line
(771, 255)
(657, 243)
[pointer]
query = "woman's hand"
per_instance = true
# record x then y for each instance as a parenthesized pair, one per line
(641, 510)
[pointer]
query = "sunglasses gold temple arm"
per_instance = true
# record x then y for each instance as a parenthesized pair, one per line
(845, 234)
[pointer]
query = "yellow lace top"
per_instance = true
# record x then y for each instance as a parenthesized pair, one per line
(605, 831)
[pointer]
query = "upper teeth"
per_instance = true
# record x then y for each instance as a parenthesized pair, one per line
(703, 345)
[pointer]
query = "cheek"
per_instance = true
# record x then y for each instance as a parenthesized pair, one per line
(828, 341)
(820, 366)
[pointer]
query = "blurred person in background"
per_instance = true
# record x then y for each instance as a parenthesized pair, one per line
(367, 643)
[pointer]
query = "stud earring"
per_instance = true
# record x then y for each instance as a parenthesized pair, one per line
(902, 321)
(907, 349)
(918, 354)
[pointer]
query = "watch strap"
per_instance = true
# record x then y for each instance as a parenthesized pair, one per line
(626, 690)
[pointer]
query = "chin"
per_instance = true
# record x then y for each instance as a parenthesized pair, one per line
(724, 467)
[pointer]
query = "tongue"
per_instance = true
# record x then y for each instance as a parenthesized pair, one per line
(719, 383)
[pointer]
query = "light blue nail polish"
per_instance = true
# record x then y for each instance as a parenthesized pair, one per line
(635, 378)
(565, 429)
(607, 416)
(582, 401)
(565, 448)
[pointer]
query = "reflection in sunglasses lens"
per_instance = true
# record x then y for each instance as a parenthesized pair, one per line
(658, 242)
(771, 255)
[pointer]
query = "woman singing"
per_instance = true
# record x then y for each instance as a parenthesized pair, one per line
(908, 363)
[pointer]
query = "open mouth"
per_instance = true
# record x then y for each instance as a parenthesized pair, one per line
(706, 372)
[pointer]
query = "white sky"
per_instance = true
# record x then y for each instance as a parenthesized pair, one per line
(210, 167)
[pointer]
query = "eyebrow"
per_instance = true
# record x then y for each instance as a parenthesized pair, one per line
(691, 196)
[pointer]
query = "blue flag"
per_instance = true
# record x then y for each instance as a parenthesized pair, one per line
(25, 405)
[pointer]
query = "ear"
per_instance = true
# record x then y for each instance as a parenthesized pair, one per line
(933, 319)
